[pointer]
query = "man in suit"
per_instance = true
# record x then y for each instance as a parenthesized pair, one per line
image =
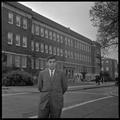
(52, 85)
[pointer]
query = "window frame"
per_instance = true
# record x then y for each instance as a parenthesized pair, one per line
(25, 23)
(37, 48)
(23, 61)
(10, 38)
(24, 42)
(32, 45)
(42, 47)
(18, 22)
(42, 34)
(17, 60)
(17, 40)
(9, 59)
(10, 18)
(46, 48)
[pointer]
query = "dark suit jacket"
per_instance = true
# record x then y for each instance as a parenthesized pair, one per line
(51, 90)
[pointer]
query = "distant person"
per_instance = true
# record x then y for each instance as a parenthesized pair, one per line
(116, 81)
(102, 79)
(97, 79)
(52, 85)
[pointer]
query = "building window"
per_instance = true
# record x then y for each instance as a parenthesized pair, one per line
(36, 29)
(75, 44)
(50, 49)
(42, 32)
(18, 22)
(17, 40)
(83, 47)
(69, 54)
(84, 58)
(54, 50)
(46, 33)
(58, 38)
(32, 45)
(37, 63)
(58, 52)
(9, 59)
(24, 23)
(71, 43)
(102, 69)
(107, 61)
(46, 48)
(61, 52)
(66, 53)
(75, 56)
(41, 64)
(89, 59)
(17, 61)
(54, 36)
(72, 55)
(24, 42)
(33, 26)
(80, 45)
(10, 38)
(42, 47)
(89, 49)
(107, 68)
(37, 46)
(32, 63)
(10, 18)
(24, 61)
(68, 42)
(50, 35)
(80, 57)
(61, 39)
(65, 40)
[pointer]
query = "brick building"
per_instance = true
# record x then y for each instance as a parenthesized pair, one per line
(28, 38)
(110, 66)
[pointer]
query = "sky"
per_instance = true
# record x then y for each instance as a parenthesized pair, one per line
(74, 15)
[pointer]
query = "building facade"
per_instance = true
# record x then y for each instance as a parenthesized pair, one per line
(28, 38)
(110, 66)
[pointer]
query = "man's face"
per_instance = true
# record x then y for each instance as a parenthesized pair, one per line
(51, 64)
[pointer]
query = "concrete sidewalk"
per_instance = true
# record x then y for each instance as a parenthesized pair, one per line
(26, 89)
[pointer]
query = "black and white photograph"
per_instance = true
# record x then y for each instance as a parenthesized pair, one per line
(60, 59)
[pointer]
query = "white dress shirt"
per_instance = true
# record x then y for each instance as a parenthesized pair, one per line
(51, 71)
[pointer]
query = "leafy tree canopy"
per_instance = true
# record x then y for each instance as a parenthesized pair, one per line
(104, 15)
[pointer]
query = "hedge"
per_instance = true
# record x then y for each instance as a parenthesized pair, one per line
(17, 78)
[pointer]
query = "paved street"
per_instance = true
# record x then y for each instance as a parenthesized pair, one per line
(89, 103)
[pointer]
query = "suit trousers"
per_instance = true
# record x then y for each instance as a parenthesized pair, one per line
(49, 112)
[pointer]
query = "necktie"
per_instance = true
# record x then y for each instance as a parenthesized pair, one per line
(51, 73)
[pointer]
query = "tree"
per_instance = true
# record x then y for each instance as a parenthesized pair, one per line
(104, 15)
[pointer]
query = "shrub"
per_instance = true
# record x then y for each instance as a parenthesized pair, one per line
(17, 78)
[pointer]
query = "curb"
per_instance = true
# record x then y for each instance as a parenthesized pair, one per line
(84, 88)
(69, 89)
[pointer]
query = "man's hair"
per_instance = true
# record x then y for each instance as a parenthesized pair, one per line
(51, 57)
